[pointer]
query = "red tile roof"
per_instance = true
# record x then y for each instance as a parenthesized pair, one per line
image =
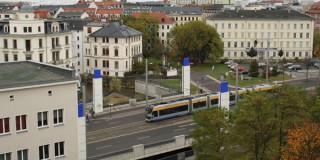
(315, 8)
(161, 17)
(110, 11)
(41, 14)
(107, 4)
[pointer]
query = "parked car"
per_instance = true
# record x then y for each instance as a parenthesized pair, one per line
(280, 71)
(228, 62)
(232, 64)
(240, 69)
(317, 65)
(287, 64)
(261, 64)
(312, 62)
(295, 67)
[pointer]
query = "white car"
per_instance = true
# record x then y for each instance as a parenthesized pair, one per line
(228, 62)
(234, 65)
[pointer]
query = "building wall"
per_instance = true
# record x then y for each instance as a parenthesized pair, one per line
(182, 19)
(77, 47)
(30, 101)
(237, 35)
(164, 29)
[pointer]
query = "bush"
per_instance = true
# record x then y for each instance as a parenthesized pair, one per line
(254, 69)
(222, 61)
(274, 70)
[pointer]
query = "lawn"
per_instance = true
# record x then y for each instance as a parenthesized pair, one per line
(207, 67)
(175, 83)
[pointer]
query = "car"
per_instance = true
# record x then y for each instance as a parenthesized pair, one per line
(312, 62)
(261, 64)
(287, 64)
(240, 69)
(232, 64)
(280, 71)
(317, 65)
(228, 62)
(245, 72)
(295, 67)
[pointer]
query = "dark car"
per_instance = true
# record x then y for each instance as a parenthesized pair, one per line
(312, 62)
(245, 72)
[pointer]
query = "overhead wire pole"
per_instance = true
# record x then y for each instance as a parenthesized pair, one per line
(236, 98)
(146, 82)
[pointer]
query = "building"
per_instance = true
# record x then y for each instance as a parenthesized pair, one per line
(314, 12)
(111, 48)
(38, 118)
(288, 30)
(201, 2)
(165, 24)
(28, 38)
(73, 15)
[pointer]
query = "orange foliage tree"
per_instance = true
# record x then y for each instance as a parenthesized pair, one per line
(303, 143)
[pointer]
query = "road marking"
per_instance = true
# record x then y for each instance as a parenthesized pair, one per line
(104, 147)
(114, 122)
(96, 122)
(143, 137)
(191, 124)
(179, 129)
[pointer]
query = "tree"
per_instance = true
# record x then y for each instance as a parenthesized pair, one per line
(211, 134)
(149, 26)
(254, 69)
(115, 84)
(274, 70)
(303, 143)
(280, 53)
(316, 43)
(252, 52)
(138, 67)
(195, 40)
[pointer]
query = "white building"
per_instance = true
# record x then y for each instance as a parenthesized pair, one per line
(111, 48)
(288, 30)
(38, 118)
(28, 38)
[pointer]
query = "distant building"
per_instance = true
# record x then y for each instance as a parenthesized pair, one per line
(314, 12)
(38, 118)
(288, 30)
(111, 48)
(201, 2)
(40, 40)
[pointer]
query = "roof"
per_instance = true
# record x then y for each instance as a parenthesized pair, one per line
(77, 24)
(161, 17)
(26, 8)
(315, 8)
(110, 11)
(41, 14)
(115, 30)
(28, 73)
(260, 14)
(70, 14)
(177, 10)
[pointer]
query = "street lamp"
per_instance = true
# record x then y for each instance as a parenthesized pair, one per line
(146, 82)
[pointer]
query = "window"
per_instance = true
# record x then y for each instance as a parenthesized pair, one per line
(4, 125)
(242, 44)
(116, 40)
(67, 54)
(88, 62)
(308, 26)
(15, 44)
(42, 119)
(44, 152)
(40, 43)
(105, 40)
(103, 63)
(5, 43)
(78, 38)
(21, 122)
(126, 64)
(6, 57)
(28, 45)
(67, 39)
(287, 54)
(15, 57)
(116, 74)
(95, 50)
(300, 54)
(25, 29)
(78, 46)
(29, 29)
(57, 116)
(59, 149)
(222, 35)
(116, 52)
(229, 26)
(295, 26)
(28, 57)
(301, 26)
(89, 30)
(229, 44)
(293, 54)
(162, 34)
(41, 57)
(95, 39)
(39, 29)
(5, 156)
(22, 154)
(116, 65)
(301, 35)
(235, 44)
(95, 63)
(307, 36)
(236, 26)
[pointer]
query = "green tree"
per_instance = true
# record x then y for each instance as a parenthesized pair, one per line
(115, 84)
(195, 40)
(254, 69)
(138, 67)
(316, 43)
(211, 134)
(149, 26)
(280, 53)
(252, 53)
(274, 70)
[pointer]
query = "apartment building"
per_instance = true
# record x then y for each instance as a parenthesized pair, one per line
(288, 30)
(111, 48)
(38, 118)
(40, 40)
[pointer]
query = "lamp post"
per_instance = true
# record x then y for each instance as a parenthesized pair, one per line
(146, 83)
(237, 73)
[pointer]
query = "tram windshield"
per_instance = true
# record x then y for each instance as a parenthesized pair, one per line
(148, 113)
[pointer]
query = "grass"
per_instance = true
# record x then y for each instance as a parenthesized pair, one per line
(175, 83)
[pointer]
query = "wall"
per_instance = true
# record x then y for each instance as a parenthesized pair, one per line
(153, 90)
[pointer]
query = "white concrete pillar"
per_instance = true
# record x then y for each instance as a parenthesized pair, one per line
(97, 91)
(82, 145)
(138, 151)
(180, 140)
(185, 77)
(224, 95)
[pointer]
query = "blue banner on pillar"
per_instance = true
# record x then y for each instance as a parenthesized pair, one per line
(80, 110)
(97, 73)
(223, 87)
(185, 62)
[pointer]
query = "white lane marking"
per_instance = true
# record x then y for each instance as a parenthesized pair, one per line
(179, 129)
(191, 124)
(96, 122)
(104, 147)
(143, 137)
(115, 122)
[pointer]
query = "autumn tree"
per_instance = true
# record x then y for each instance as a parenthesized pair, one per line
(211, 134)
(303, 143)
(195, 40)
(316, 43)
(115, 84)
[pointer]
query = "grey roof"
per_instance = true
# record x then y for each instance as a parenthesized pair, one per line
(77, 24)
(177, 10)
(130, 10)
(115, 30)
(81, 5)
(69, 14)
(26, 8)
(260, 14)
(28, 73)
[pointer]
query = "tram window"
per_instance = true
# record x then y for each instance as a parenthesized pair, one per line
(173, 110)
(155, 113)
(232, 97)
(214, 101)
(199, 104)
